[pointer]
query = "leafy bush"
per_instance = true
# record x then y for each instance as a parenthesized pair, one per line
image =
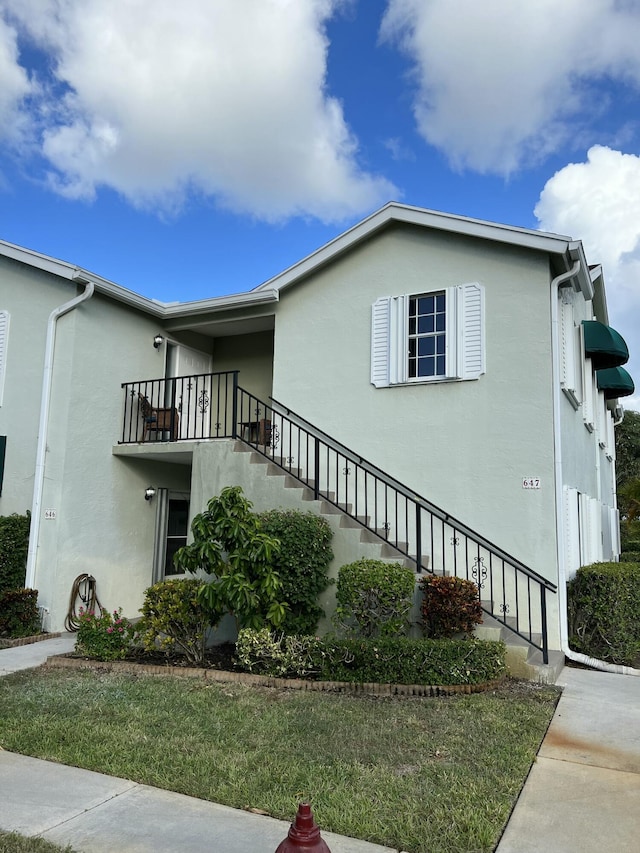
(385, 660)
(283, 655)
(104, 635)
(229, 545)
(174, 616)
(604, 611)
(19, 613)
(449, 606)
(302, 564)
(374, 598)
(630, 557)
(14, 546)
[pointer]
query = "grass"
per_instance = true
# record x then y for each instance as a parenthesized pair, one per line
(12, 842)
(413, 774)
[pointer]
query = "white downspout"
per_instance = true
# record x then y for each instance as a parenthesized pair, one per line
(560, 532)
(43, 427)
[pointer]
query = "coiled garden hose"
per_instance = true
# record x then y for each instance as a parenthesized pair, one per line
(84, 590)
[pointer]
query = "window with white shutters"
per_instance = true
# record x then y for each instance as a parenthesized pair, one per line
(431, 336)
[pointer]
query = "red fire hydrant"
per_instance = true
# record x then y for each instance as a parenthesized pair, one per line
(304, 834)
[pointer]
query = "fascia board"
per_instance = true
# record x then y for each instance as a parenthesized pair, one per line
(161, 310)
(554, 244)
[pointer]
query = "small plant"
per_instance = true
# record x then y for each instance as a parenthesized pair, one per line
(103, 635)
(19, 613)
(174, 617)
(281, 655)
(374, 598)
(229, 545)
(450, 606)
(302, 564)
(604, 612)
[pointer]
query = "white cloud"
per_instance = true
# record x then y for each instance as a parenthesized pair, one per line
(225, 98)
(501, 84)
(598, 202)
(14, 84)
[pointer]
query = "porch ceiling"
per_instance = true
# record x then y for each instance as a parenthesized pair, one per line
(222, 328)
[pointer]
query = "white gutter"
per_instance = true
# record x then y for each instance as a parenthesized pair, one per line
(45, 403)
(578, 657)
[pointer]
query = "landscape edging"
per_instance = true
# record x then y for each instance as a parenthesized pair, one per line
(224, 676)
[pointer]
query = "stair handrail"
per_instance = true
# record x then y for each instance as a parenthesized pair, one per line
(413, 495)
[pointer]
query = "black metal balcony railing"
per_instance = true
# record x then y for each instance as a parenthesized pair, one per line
(214, 406)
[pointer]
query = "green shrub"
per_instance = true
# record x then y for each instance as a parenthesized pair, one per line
(229, 544)
(384, 660)
(104, 635)
(19, 615)
(630, 557)
(449, 606)
(14, 546)
(284, 655)
(604, 611)
(302, 564)
(374, 598)
(174, 617)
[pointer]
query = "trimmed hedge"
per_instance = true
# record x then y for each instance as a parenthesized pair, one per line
(374, 598)
(19, 615)
(302, 564)
(604, 611)
(630, 557)
(385, 660)
(14, 545)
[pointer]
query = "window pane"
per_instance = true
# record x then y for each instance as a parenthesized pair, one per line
(440, 369)
(426, 346)
(426, 305)
(440, 344)
(172, 547)
(425, 324)
(412, 325)
(440, 302)
(412, 368)
(440, 322)
(178, 520)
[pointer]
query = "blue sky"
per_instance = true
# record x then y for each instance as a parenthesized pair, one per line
(196, 149)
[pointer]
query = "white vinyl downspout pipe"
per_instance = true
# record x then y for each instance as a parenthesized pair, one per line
(578, 657)
(43, 427)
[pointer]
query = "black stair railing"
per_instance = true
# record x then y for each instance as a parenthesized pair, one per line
(213, 405)
(434, 541)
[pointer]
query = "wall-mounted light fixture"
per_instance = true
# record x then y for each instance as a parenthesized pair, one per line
(158, 341)
(149, 493)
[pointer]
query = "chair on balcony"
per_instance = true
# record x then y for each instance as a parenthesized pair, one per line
(158, 419)
(256, 432)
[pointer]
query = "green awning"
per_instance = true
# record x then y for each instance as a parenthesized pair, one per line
(603, 345)
(615, 382)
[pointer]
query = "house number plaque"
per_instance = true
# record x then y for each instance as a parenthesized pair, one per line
(531, 482)
(49, 514)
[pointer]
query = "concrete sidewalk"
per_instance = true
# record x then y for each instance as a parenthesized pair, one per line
(583, 792)
(582, 795)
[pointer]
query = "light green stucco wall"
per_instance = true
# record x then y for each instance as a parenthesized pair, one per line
(464, 445)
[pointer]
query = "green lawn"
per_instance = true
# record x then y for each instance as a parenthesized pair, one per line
(414, 774)
(11, 842)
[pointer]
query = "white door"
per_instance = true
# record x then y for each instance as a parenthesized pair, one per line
(191, 370)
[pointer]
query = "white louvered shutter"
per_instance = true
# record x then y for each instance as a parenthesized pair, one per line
(380, 342)
(4, 335)
(389, 341)
(571, 532)
(470, 331)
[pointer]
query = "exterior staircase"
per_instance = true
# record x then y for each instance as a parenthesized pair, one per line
(354, 540)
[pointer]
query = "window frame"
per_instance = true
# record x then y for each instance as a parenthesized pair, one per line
(464, 336)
